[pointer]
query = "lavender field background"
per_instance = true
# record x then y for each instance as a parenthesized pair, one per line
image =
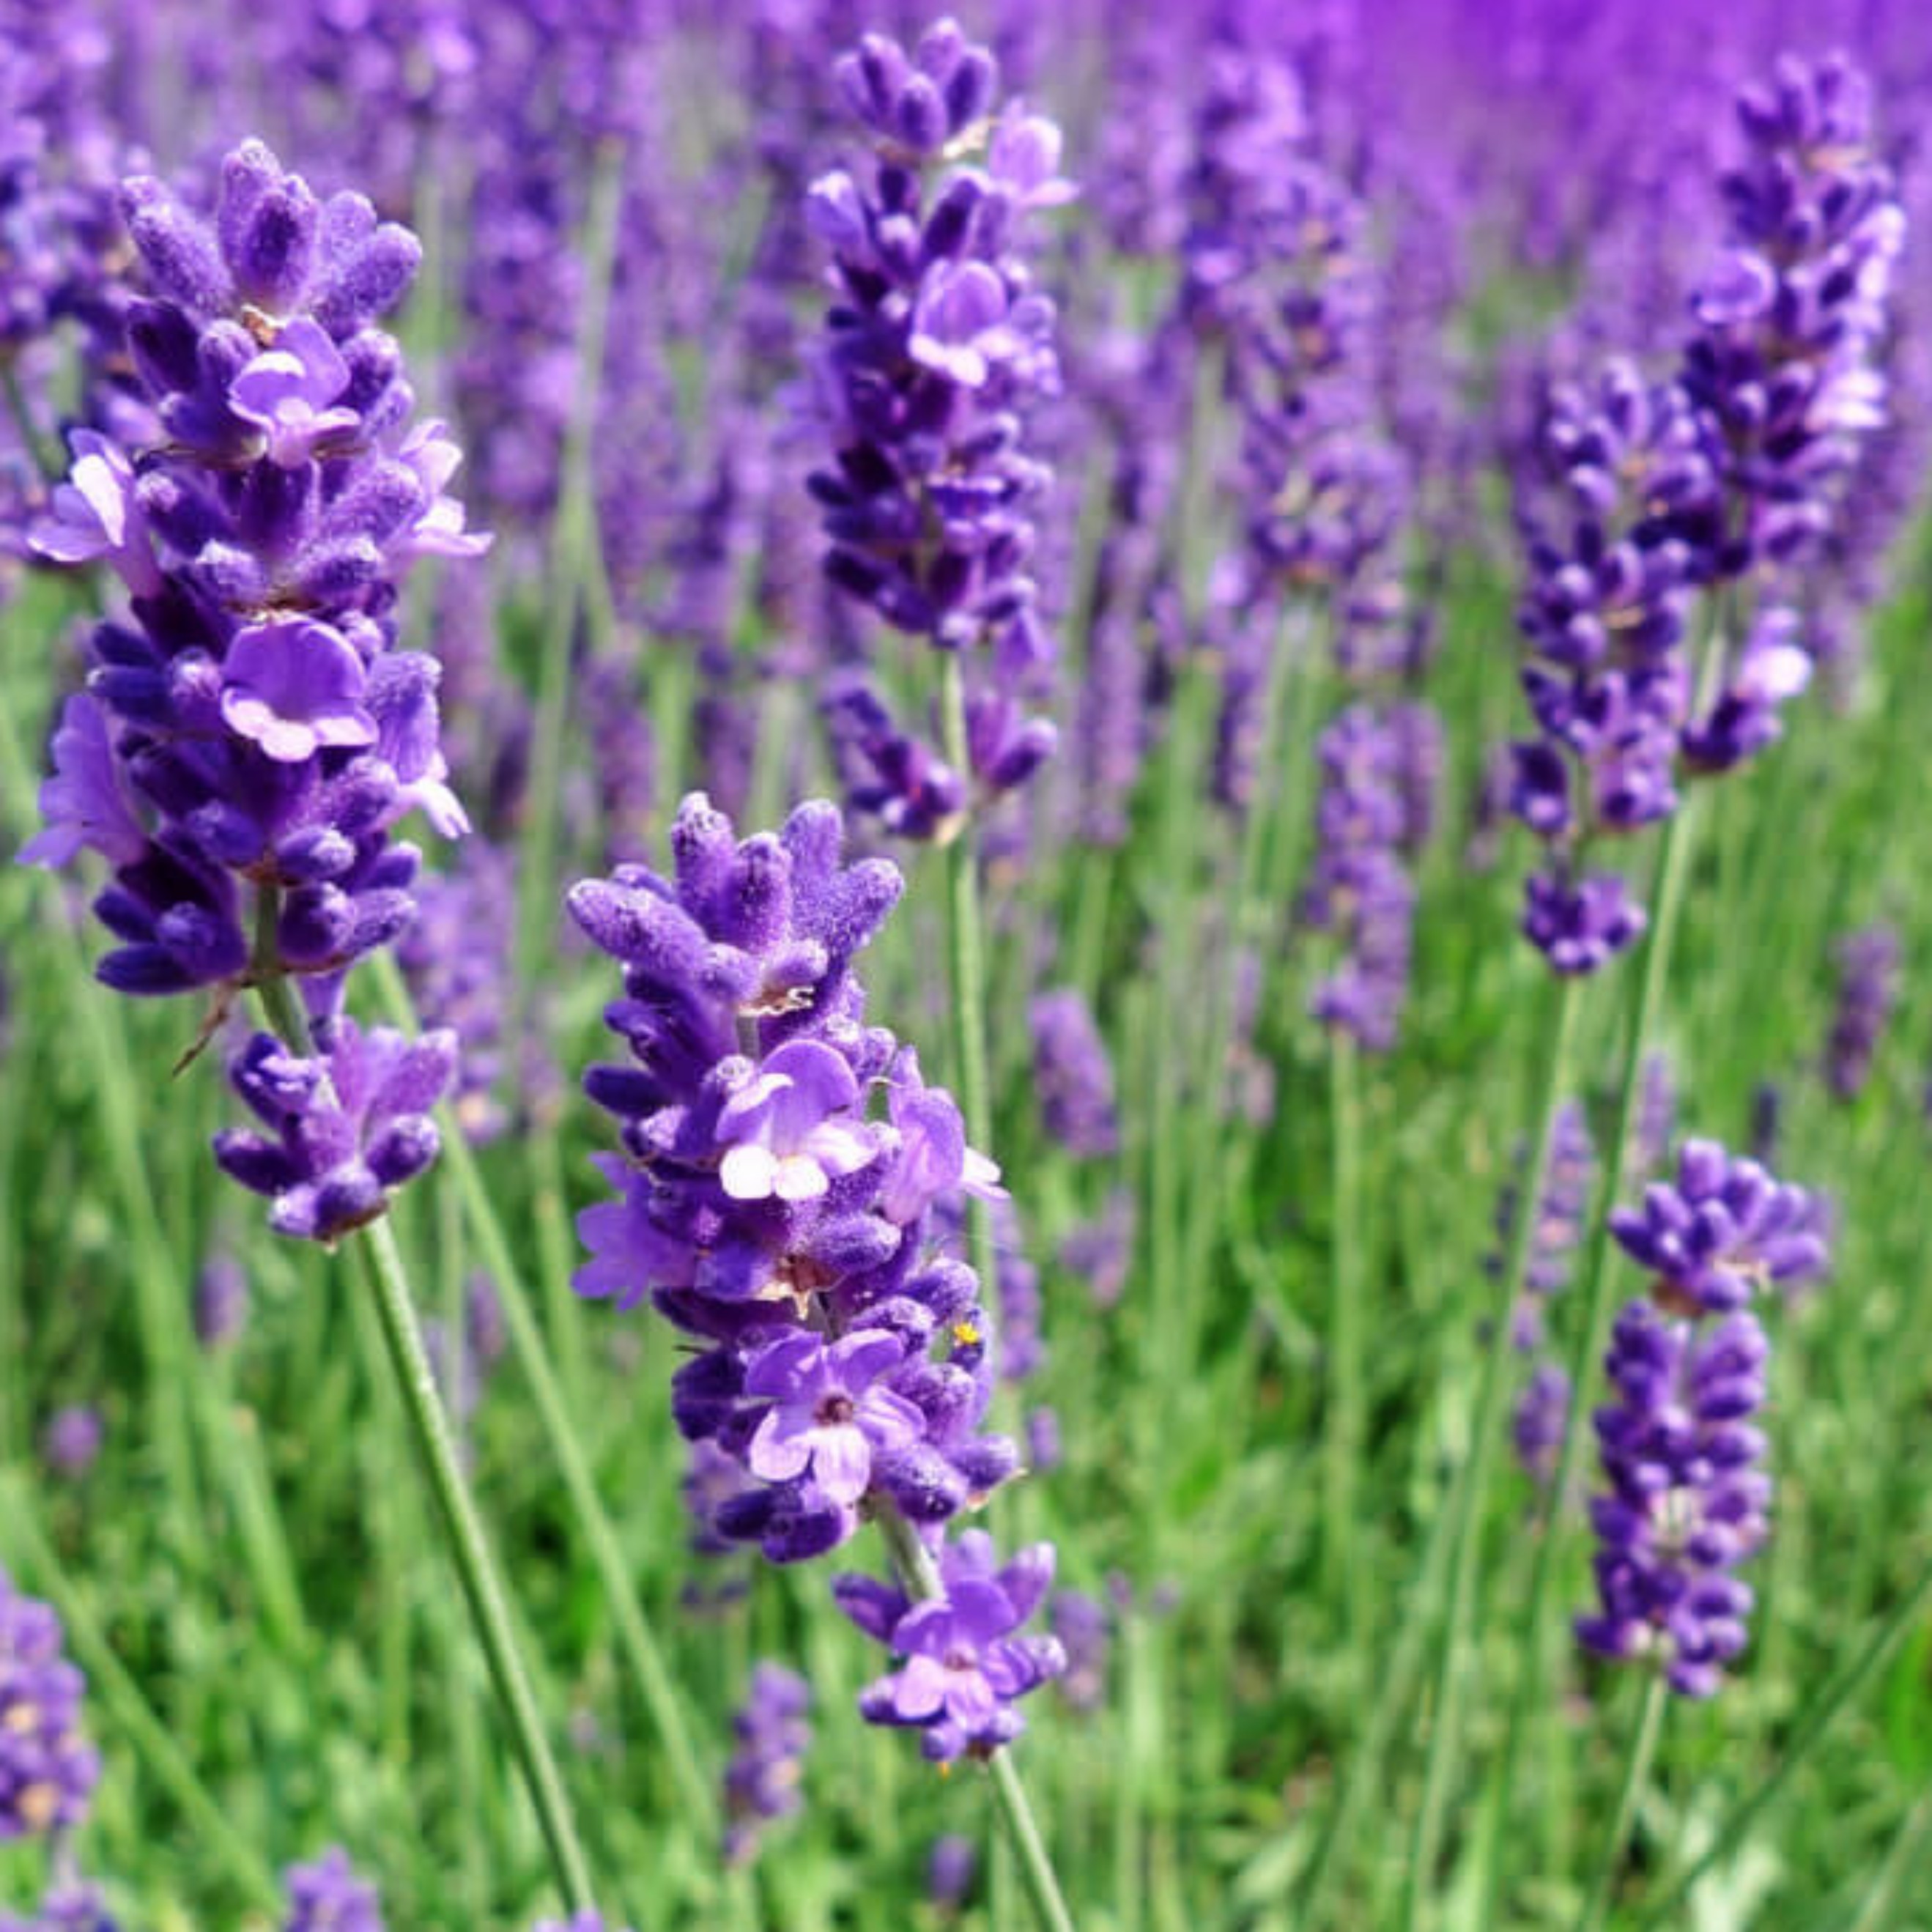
(964, 973)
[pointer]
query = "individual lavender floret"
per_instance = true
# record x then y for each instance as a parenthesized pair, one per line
(221, 1301)
(328, 1896)
(964, 1670)
(1869, 963)
(761, 1782)
(72, 1439)
(938, 348)
(950, 1867)
(348, 1125)
(1724, 1232)
(1073, 1075)
(1686, 1502)
(47, 1770)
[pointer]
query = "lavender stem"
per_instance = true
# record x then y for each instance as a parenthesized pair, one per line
(482, 1588)
(1643, 1751)
(1472, 1485)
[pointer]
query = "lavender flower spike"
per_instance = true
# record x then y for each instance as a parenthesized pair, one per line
(328, 1896)
(47, 1770)
(1686, 1502)
(761, 1783)
(844, 1361)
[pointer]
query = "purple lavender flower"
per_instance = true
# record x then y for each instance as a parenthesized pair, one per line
(1724, 1232)
(48, 1770)
(846, 1363)
(585, 1921)
(328, 1896)
(1100, 1252)
(71, 1440)
(938, 349)
(1073, 1075)
(1686, 1502)
(250, 736)
(761, 1782)
(1869, 963)
(348, 1125)
(950, 1867)
(964, 1670)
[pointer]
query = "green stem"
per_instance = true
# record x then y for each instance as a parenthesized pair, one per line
(482, 1590)
(1838, 1691)
(1899, 1862)
(661, 1698)
(966, 961)
(920, 1576)
(1587, 1345)
(1554, 1055)
(127, 1710)
(1343, 1437)
(1636, 1771)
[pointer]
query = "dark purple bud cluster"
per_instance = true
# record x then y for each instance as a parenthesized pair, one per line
(1687, 1501)
(847, 1362)
(1724, 1232)
(48, 1770)
(761, 1782)
(936, 349)
(329, 1896)
(250, 736)
(1869, 963)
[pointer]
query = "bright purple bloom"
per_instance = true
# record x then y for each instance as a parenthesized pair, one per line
(86, 803)
(348, 1125)
(97, 513)
(329, 1896)
(1725, 1232)
(780, 1131)
(828, 1414)
(48, 1770)
(761, 1782)
(287, 392)
(295, 685)
(845, 1363)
